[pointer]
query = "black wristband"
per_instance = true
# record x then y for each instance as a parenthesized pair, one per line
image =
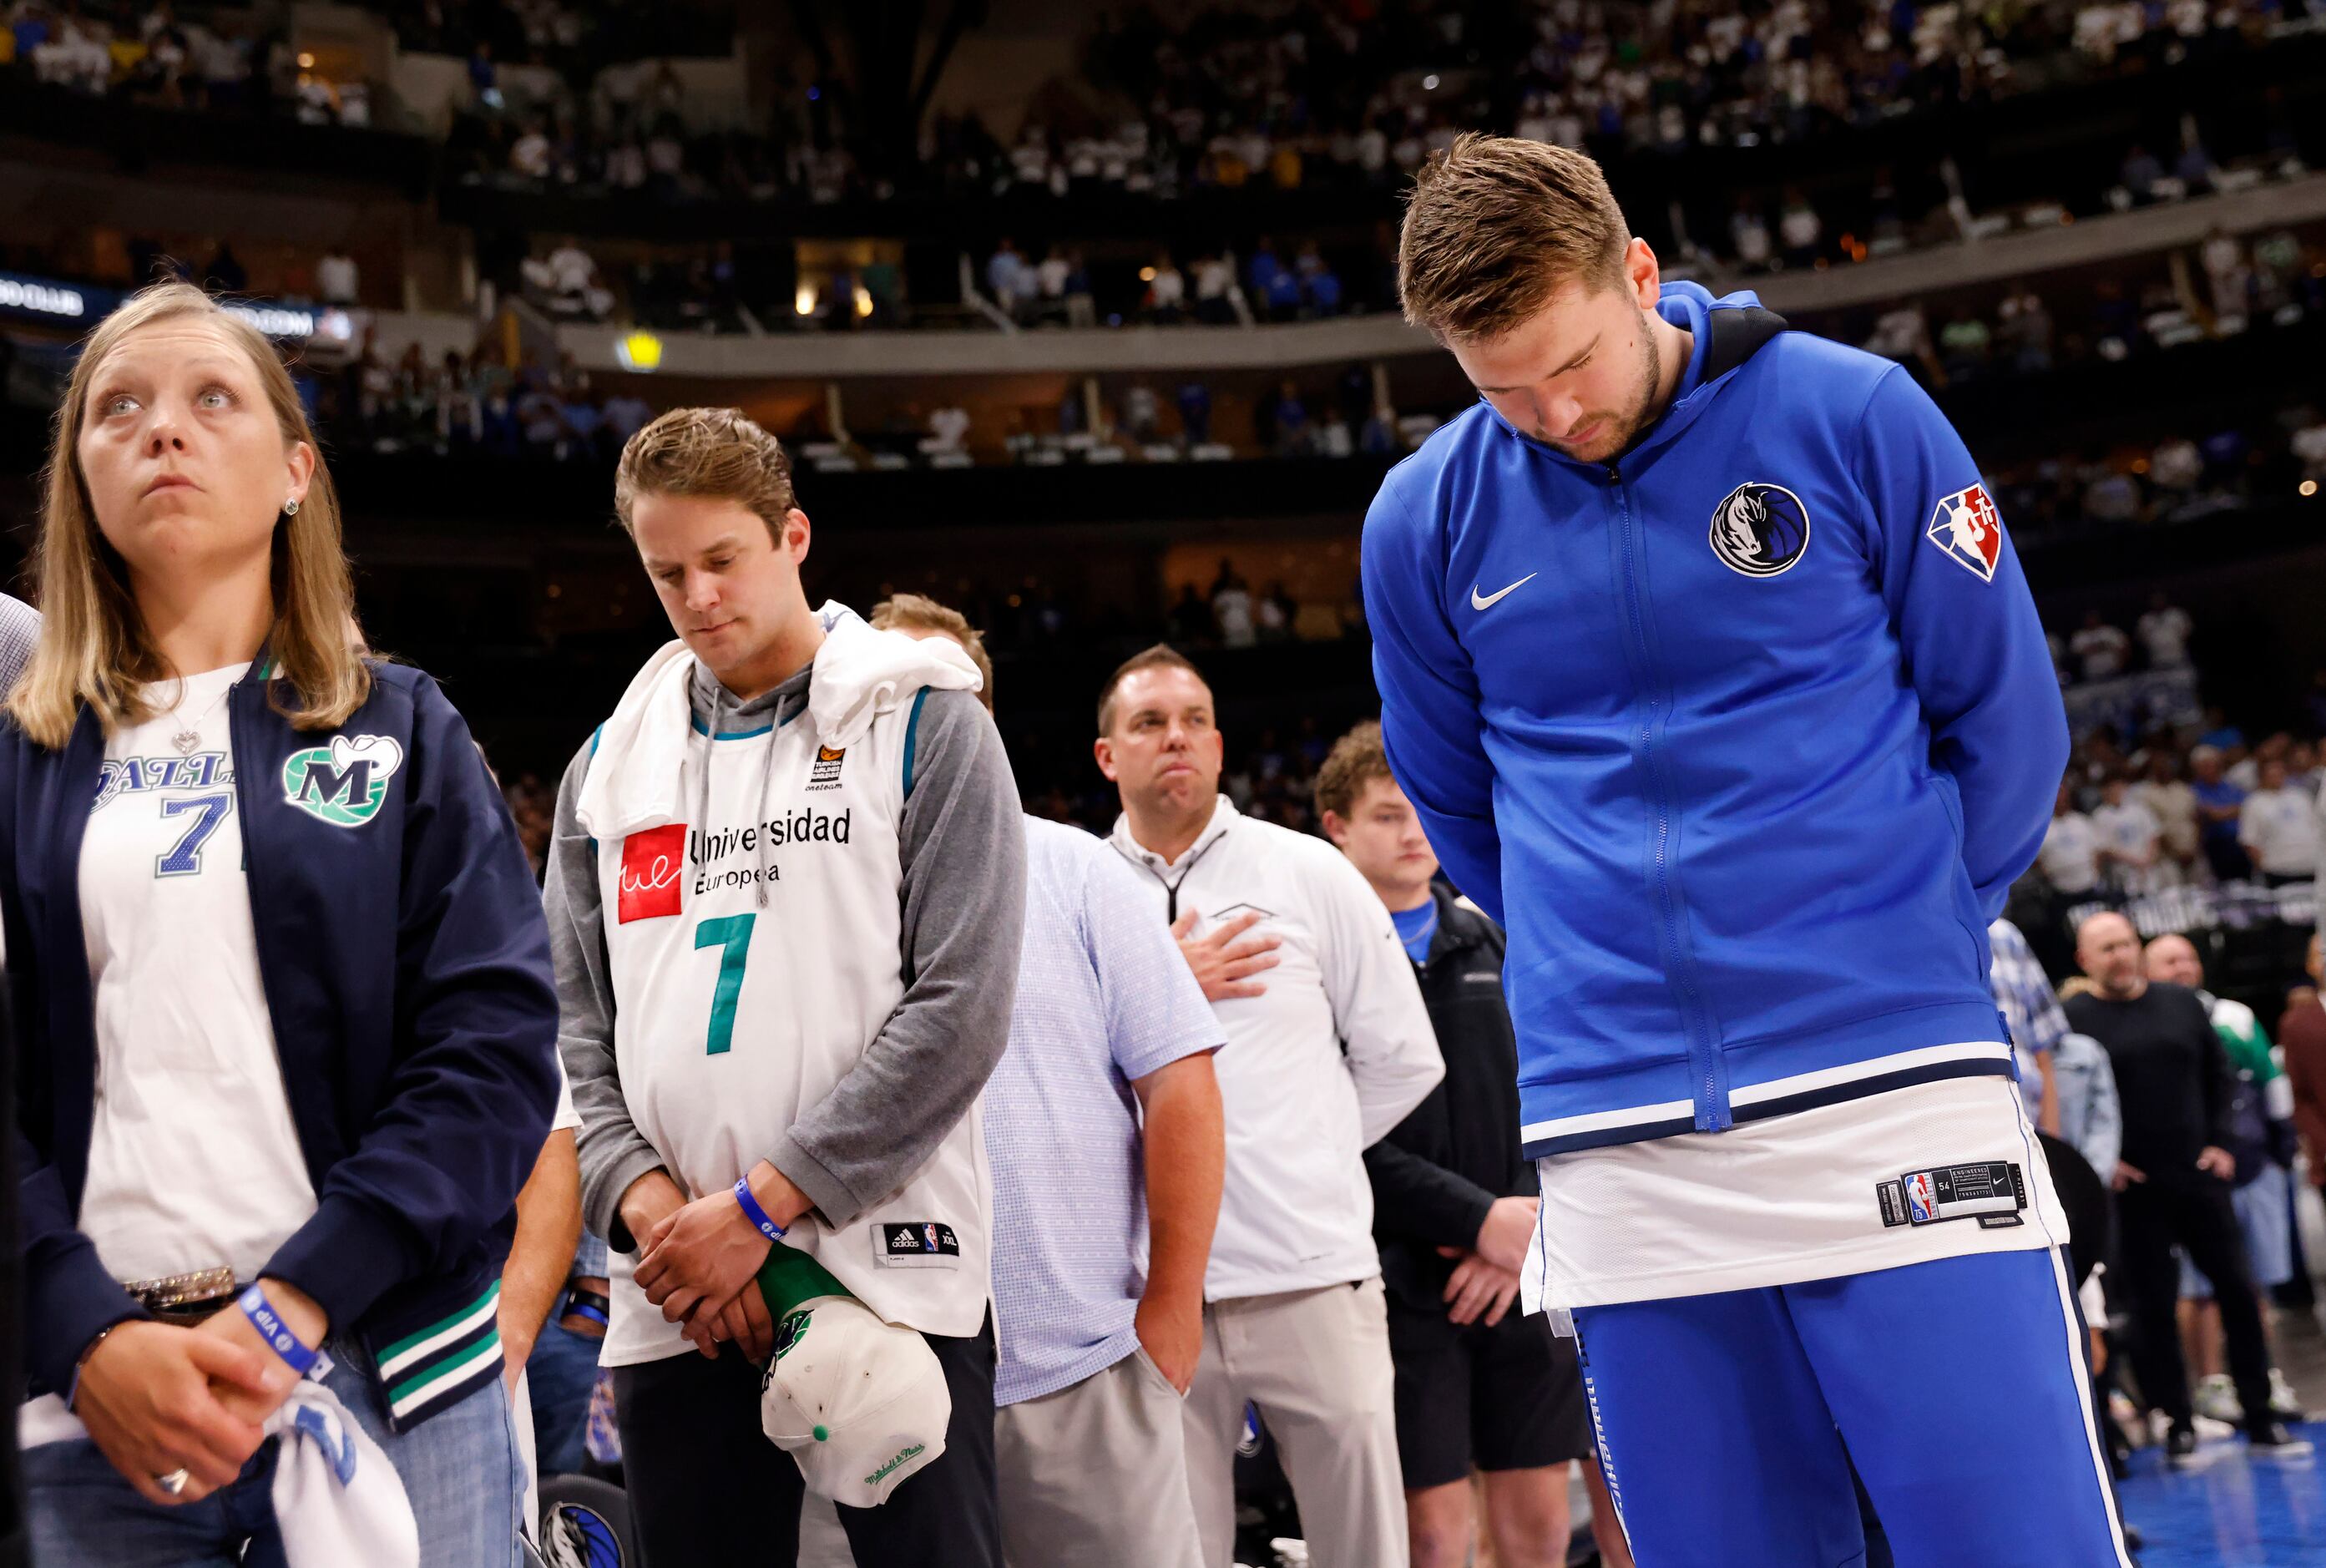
(580, 1298)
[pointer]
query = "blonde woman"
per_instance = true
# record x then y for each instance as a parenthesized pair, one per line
(280, 985)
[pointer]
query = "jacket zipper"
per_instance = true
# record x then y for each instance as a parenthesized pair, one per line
(1710, 1090)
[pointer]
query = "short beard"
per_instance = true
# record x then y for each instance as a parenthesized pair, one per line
(1634, 422)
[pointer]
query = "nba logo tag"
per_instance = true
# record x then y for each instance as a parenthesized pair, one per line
(651, 862)
(1968, 528)
(1922, 1200)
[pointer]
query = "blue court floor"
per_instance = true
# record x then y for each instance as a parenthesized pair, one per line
(2220, 1510)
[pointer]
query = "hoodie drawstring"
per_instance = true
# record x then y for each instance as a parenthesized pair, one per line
(709, 750)
(767, 781)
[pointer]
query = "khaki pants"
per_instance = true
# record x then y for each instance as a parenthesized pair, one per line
(1097, 1473)
(1317, 1364)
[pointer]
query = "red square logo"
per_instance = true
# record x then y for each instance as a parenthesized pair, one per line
(651, 863)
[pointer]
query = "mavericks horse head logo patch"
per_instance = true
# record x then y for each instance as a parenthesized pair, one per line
(1760, 529)
(344, 782)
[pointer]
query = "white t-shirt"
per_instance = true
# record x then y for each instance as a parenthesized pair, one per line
(2101, 650)
(1795, 1197)
(2069, 858)
(193, 1161)
(2281, 830)
(2129, 829)
(2165, 634)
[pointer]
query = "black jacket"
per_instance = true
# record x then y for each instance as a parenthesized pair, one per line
(1438, 1171)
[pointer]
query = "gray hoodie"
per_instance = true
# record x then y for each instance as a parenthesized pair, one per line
(964, 893)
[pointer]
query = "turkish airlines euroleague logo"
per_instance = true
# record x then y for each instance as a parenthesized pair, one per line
(651, 862)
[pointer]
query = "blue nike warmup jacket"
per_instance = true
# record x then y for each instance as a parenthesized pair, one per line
(1743, 737)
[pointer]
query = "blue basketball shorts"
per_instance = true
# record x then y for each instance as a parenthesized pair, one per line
(1960, 1389)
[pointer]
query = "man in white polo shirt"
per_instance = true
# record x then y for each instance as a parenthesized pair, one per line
(1327, 1049)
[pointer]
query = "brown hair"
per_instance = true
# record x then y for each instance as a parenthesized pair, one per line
(1356, 761)
(94, 648)
(923, 613)
(1492, 229)
(1162, 656)
(717, 454)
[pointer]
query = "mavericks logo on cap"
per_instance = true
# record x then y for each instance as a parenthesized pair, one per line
(788, 1334)
(344, 782)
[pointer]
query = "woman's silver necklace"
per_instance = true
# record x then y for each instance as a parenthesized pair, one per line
(187, 739)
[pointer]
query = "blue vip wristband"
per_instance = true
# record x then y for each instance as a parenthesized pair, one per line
(754, 1213)
(301, 1358)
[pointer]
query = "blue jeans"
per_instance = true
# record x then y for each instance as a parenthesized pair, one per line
(560, 1372)
(460, 1468)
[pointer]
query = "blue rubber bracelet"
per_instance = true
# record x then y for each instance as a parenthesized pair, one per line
(271, 1328)
(589, 1313)
(754, 1213)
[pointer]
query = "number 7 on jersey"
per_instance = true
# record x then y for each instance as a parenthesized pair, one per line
(732, 934)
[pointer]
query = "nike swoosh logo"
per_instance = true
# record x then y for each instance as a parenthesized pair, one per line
(1488, 601)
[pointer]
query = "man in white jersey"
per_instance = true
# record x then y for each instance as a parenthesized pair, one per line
(1327, 1049)
(785, 893)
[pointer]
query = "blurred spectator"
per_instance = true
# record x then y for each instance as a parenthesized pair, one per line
(1800, 229)
(2278, 827)
(2220, 805)
(1964, 344)
(1215, 291)
(2101, 650)
(336, 278)
(1141, 413)
(2024, 332)
(2228, 276)
(1902, 334)
(1194, 401)
(1748, 237)
(1167, 292)
(2140, 173)
(2130, 840)
(2173, 804)
(1232, 609)
(2070, 858)
(2164, 631)
(1009, 280)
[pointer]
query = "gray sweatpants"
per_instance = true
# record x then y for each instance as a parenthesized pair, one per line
(1096, 1473)
(1317, 1364)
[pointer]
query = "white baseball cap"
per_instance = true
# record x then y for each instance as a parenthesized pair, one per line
(860, 1404)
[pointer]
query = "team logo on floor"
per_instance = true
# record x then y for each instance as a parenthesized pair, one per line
(1760, 529)
(344, 782)
(1968, 528)
(825, 773)
(651, 863)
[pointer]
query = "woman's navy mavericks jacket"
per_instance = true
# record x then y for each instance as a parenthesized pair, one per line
(405, 965)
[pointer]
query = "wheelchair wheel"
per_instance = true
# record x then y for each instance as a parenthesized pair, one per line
(585, 1523)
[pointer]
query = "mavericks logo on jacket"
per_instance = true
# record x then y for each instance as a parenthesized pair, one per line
(1760, 530)
(342, 783)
